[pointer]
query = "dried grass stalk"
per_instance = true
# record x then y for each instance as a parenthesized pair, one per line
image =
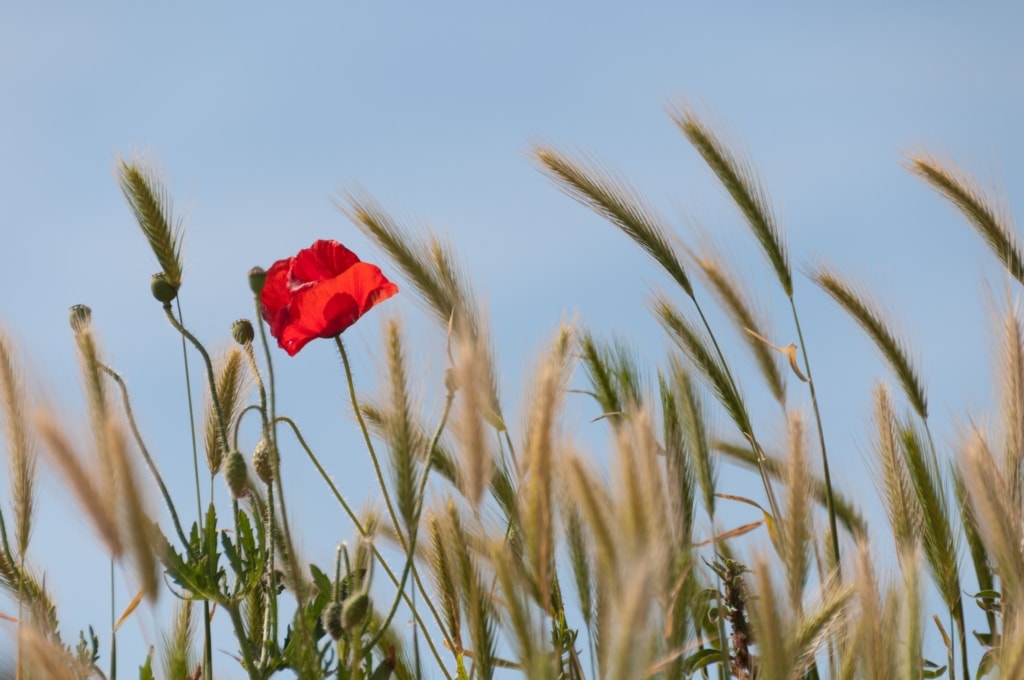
(476, 453)
(740, 179)
(797, 526)
(436, 275)
(735, 297)
(989, 217)
(871, 318)
(596, 187)
(543, 408)
(892, 476)
(95, 499)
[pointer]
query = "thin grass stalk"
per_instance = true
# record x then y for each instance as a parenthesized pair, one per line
(796, 530)
(938, 541)
(597, 364)
(830, 500)
(911, 629)
(537, 467)
(735, 299)
(474, 594)
(893, 476)
(976, 546)
(716, 371)
(476, 456)
(741, 181)
(1000, 521)
(989, 218)
(1011, 413)
(399, 427)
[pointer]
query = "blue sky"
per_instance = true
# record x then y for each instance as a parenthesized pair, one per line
(259, 116)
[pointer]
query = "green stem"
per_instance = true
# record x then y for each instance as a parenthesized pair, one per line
(129, 413)
(236, 621)
(222, 429)
(829, 498)
(414, 531)
(207, 635)
(369, 444)
(272, 395)
(271, 602)
(113, 626)
(380, 558)
(758, 451)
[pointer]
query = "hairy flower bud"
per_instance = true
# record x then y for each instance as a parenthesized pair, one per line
(80, 316)
(242, 331)
(264, 461)
(257, 277)
(353, 612)
(163, 290)
(331, 620)
(235, 473)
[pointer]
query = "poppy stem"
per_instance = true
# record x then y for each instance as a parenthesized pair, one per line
(369, 444)
(376, 551)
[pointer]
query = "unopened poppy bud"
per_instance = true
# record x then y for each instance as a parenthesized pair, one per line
(264, 461)
(451, 381)
(80, 317)
(242, 331)
(331, 620)
(257, 277)
(163, 290)
(353, 612)
(235, 473)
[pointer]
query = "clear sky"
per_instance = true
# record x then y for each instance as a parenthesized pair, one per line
(259, 114)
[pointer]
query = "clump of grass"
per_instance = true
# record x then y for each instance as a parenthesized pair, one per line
(520, 552)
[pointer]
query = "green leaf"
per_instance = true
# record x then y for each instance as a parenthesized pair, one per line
(930, 669)
(146, 669)
(703, 658)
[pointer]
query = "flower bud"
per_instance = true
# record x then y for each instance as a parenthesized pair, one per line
(235, 473)
(331, 620)
(264, 461)
(163, 290)
(80, 316)
(257, 277)
(353, 612)
(242, 331)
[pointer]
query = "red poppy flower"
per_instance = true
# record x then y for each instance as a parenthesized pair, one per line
(319, 293)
